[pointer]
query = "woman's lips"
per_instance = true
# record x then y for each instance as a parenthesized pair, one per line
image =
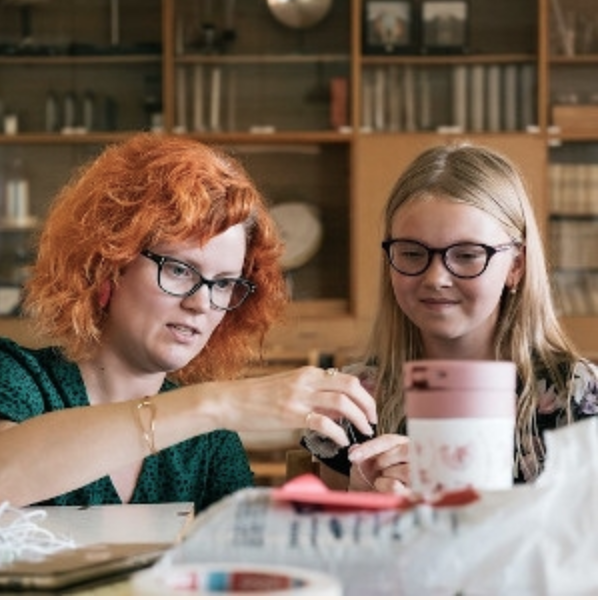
(183, 331)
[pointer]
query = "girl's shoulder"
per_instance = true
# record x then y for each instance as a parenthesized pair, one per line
(583, 388)
(585, 370)
(580, 393)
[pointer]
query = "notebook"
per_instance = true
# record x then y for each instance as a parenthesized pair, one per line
(109, 541)
(86, 564)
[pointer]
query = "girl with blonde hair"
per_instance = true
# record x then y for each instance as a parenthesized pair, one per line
(463, 276)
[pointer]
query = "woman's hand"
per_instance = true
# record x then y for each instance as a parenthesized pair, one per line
(381, 464)
(308, 397)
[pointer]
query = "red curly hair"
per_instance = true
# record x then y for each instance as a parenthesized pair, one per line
(149, 189)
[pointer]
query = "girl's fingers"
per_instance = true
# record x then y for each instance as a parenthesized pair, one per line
(389, 485)
(327, 427)
(399, 472)
(387, 460)
(387, 449)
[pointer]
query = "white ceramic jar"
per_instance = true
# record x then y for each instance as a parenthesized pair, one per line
(461, 424)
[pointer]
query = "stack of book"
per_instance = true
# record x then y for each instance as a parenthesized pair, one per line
(478, 97)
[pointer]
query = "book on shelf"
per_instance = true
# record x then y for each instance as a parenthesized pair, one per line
(339, 95)
(482, 98)
(410, 99)
(367, 101)
(477, 97)
(425, 100)
(510, 98)
(493, 75)
(395, 98)
(198, 98)
(576, 294)
(181, 100)
(379, 97)
(459, 96)
(574, 244)
(527, 86)
(573, 188)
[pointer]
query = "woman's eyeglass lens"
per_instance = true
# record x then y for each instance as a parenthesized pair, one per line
(180, 279)
(464, 260)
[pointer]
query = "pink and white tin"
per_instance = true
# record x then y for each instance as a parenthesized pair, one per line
(461, 424)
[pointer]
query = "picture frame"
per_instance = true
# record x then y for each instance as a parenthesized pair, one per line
(388, 27)
(444, 26)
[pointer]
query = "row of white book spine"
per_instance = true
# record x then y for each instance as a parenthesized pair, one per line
(200, 99)
(477, 97)
(574, 188)
(574, 244)
(576, 294)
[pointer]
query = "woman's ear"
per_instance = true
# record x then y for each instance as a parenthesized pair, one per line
(104, 294)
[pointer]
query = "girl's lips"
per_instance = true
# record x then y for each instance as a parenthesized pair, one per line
(438, 302)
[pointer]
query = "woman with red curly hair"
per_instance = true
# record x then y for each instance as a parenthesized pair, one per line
(157, 277)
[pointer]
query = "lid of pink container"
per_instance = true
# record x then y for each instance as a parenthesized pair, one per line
(460, 374)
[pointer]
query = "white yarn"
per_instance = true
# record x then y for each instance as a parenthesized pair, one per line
(22, 538)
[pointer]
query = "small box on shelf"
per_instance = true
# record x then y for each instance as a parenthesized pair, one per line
(575, 117)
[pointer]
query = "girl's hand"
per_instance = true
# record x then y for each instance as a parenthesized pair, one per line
(380, 464)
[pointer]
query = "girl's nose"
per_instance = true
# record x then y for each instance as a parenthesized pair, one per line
(437, 273)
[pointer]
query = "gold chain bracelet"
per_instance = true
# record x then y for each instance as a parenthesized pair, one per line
(150, 431)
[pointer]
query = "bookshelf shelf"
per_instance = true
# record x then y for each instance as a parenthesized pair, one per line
(261, 59)
(572, 108)
(468, 59)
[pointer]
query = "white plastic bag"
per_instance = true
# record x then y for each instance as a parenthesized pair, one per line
(536, 539)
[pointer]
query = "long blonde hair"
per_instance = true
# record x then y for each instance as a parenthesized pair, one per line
(527, 333)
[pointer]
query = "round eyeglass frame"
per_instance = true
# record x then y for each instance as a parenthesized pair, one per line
(490, 252)
(161, 260)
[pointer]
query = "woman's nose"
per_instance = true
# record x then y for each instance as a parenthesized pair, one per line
(198, 301)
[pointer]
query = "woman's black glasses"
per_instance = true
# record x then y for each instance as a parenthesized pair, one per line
(180, 279)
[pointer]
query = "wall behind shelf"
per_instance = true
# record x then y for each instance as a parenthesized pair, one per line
(62, 22)
(258, 32)
(319, 176)
(46, 170)
(517, 32)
